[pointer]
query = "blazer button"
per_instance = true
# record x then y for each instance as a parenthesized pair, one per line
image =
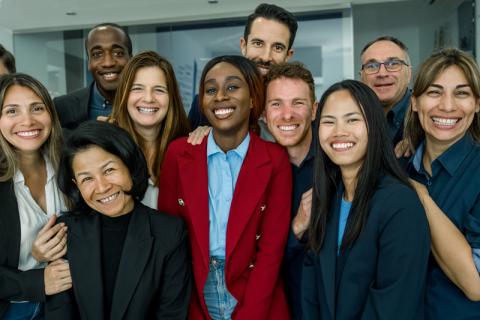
(251, 265)
(258, 236)
(181, 202)
(263, 207)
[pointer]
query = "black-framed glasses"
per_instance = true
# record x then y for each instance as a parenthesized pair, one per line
(391, 65)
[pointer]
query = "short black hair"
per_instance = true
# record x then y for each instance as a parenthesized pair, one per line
(276, 13)
(113, 25)
(112, 139)
(386, 38)
(8, 59)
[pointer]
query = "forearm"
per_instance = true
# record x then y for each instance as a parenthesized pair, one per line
(22, 285)
(451, 250)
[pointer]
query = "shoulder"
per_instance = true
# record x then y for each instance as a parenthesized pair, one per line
(162, 225)
(72, 218)
(75, 95)
(181, 146)
(276, 152)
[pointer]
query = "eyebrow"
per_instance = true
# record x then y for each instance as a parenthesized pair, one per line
(227, 78)
(344, 116)
(456, 87)
(156, 86)
(387, 59)
(16, 105)
(84, 173)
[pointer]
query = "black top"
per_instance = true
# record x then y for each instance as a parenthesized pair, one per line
(113, 234)
(302, 179)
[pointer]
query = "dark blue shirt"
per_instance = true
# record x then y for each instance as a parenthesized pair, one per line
(396, 116)
(302, 179)
(98, 105)
(454, 186)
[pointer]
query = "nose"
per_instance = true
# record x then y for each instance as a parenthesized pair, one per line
(382, 71)
(287, 112)
(339, 129)
(108, 60)
(27, 119)
(447, 103)
(148, 96)
(266, 55)
(221, 95)
(102, 185)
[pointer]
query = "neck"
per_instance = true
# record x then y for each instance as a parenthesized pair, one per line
(298, 152)
(228, 142)
(30, 162)
(108, 95)
(349, 178)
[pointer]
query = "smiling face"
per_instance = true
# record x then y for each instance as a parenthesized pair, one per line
(343, 131)
(390, 86)
(226, 100)
(102, 179)
(266, 44)
(289, 111)
(148, 100)
(447, 108)
(24, 122)
(107, 55)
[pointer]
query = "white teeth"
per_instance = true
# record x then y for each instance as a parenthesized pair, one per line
(110, 75)
(444, 121)
(223, 111)
(109, 198)
(28, 133)
(147, 110)
(288, 127)
(344, 145)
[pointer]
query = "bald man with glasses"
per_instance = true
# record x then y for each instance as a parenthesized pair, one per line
(386, 69)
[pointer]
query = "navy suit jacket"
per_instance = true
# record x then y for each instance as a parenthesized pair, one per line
(154, 274)
(14, 284)
(72, 108)
(383, 274)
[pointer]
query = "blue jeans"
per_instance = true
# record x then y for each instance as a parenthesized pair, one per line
(24, 311)
(220, 303)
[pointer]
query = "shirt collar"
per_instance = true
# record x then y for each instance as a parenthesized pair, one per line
(97, 98)
(400, 108)
(213, 148)
(450, 159)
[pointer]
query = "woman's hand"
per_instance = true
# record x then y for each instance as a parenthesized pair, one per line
(402, 149)
(57, 277)
(196, 136)
(51, 241)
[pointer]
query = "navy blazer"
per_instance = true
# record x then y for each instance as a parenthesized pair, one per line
(14, 284)
(154, 274)
(72, 108)
(383, 274)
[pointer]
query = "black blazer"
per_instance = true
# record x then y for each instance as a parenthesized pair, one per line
(382, 276)
(72, 108)
(14, 284)
(154, 275)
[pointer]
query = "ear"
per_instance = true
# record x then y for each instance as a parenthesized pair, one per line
(289, 54)
(243, 46)
(314, 110)
(413, 101)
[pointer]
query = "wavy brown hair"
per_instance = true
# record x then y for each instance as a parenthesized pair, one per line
(175, 123)
(51, 147)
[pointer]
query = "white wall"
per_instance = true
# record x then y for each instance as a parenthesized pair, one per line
(6, 38)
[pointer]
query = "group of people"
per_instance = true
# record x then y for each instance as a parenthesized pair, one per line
(366, 206)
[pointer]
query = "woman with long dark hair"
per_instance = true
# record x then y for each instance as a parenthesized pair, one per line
(233, 190)
(368, 237)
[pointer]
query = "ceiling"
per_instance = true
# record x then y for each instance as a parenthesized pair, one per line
(21, 16)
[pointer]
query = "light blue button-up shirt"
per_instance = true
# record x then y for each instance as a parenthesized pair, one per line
(223, 169)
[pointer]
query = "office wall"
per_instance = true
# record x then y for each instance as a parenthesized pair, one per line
(419, 25)
(6, 38)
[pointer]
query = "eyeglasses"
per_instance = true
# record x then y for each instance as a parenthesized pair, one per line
(391, 65)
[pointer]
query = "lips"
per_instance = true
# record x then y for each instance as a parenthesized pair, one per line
(342, 146)
(28, 134)
(445, 122)
(147, 110)
(110, 76)
(223, 112)
(288, 128)
(109, 199)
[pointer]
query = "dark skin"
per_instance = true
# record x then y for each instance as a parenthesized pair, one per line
(107, 55)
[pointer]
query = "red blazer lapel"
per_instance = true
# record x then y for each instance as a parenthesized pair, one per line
(251, 184)
(192, 170)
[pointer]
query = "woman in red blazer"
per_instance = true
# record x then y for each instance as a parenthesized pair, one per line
(249, 246)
